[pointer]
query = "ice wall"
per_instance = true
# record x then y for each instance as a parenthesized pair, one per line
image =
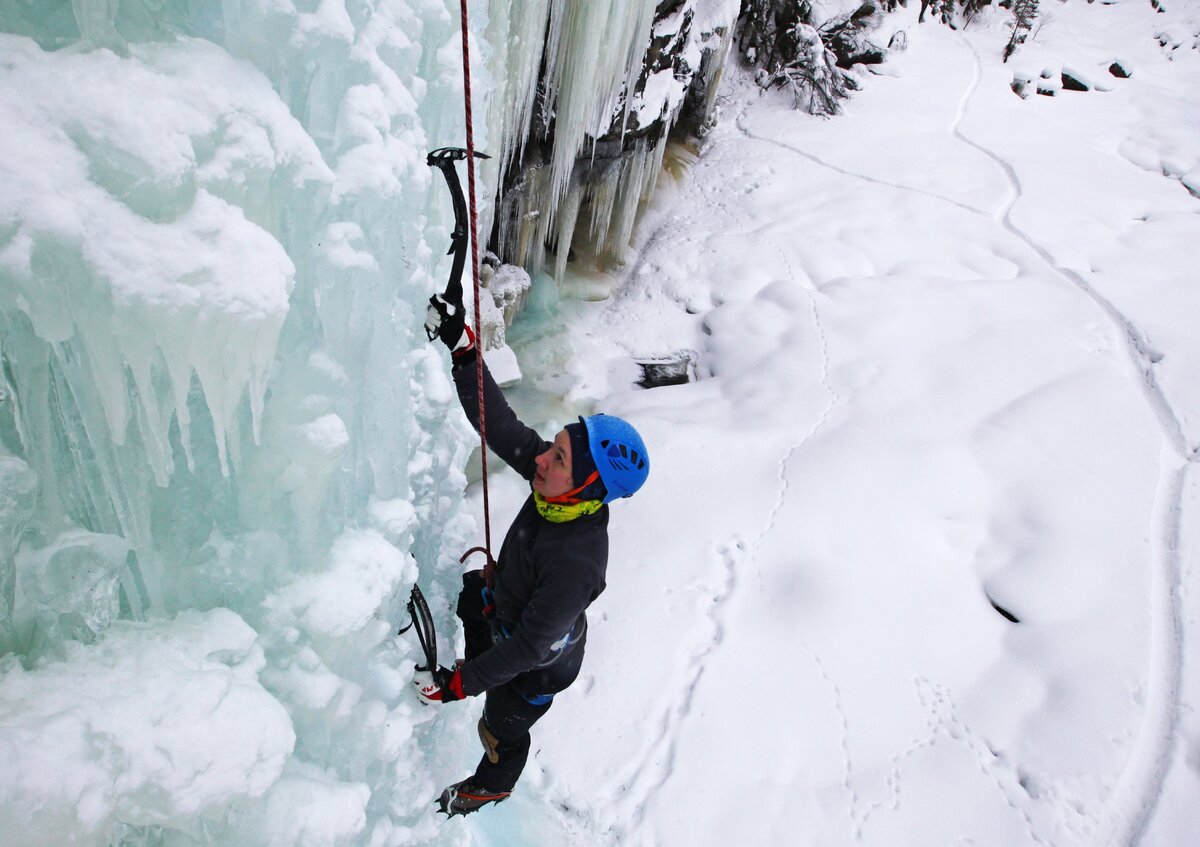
(225, 445)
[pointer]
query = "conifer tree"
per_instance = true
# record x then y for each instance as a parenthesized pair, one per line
(1025, 12)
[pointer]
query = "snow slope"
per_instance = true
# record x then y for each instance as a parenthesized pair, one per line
(948, 356)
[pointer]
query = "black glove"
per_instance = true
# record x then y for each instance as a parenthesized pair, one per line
(450, 681)
(443, 685)
(445, 320)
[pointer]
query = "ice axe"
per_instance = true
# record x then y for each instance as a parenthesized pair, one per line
(443, 159)
(422, 622)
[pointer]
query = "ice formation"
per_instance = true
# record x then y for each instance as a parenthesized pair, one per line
(617, 76)
(225, 446)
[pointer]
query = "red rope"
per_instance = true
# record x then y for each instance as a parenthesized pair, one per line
(489, 567)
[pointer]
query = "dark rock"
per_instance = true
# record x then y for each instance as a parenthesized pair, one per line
(846, 37)
(676, 369)
(667, 52)
(1003, 612)
(1072, 83)
(1119, 71)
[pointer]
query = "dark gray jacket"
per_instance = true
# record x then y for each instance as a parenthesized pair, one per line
(547, 573)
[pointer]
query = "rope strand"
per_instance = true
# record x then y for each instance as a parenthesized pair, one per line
(489, 567)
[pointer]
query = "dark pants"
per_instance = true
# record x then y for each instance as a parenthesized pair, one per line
(507, 714)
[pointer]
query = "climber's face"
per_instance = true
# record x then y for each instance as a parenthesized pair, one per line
(553, 468)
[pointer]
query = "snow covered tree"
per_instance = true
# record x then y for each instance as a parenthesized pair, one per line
(779, 37)
(947, 11)
(1025, 12)
(944, 9)
(816, 82)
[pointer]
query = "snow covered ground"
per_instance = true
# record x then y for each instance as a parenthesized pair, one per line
(915, 565)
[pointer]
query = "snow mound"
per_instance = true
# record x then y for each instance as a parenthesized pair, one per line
(155, 725)
(307, 808)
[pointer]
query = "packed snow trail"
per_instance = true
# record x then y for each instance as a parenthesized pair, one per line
(1142, 356)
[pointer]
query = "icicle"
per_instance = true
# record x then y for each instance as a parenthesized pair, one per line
(95, 19)
(613, 35)
(152, 424)
(522, 34)
(568, 213)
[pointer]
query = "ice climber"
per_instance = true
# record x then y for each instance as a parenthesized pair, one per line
(525, 632)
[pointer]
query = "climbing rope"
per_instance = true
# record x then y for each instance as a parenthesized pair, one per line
(490, 566)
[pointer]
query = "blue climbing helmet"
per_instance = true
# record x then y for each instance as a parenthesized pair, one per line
(619, 453)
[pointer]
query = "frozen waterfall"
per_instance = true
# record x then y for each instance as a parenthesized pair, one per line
(225, 447)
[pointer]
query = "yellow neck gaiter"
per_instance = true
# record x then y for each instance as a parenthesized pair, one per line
(563, 512)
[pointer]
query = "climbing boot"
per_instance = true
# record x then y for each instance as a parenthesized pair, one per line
(465, 797)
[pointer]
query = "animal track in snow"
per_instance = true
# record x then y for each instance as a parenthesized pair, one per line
(656, 763)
